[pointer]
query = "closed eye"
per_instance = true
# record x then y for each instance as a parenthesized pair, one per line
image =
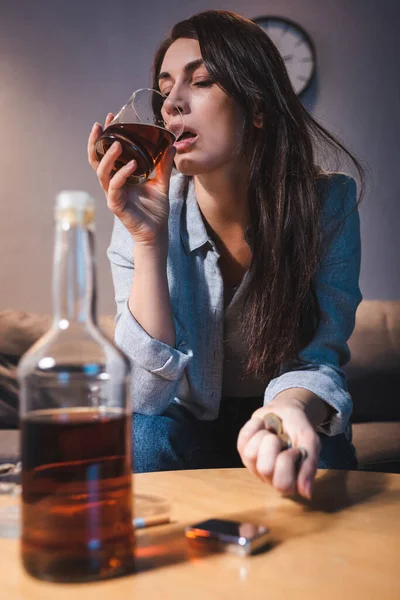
(204, 83)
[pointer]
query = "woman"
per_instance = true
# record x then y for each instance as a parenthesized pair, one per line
(236, 280)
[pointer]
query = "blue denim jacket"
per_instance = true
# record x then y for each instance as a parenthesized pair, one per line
(191, 373)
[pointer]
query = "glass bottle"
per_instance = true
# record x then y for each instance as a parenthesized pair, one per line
(75, 423)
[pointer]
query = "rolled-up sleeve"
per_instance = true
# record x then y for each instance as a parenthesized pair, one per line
(319, 368)
(156, 367)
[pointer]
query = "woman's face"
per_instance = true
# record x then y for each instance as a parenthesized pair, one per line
(213, 120)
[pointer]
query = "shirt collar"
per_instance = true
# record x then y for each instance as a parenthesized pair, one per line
(194, 233)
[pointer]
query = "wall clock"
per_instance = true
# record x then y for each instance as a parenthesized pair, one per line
(296, 48)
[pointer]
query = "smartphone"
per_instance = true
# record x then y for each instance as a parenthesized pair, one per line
(229, 536)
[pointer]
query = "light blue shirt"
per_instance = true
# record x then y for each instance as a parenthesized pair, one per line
(192, 372)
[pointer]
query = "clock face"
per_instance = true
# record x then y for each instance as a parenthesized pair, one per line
(295, 47)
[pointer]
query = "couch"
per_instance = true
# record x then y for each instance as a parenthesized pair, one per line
(373, 379)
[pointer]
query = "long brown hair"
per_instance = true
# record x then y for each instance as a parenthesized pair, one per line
(281, 311)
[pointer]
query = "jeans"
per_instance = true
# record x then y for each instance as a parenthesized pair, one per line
(177, 440)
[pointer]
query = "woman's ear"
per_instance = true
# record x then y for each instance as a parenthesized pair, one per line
(258, 121)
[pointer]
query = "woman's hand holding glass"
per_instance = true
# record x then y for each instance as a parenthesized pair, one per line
(133, 158)
(266, 455)
(143, 208)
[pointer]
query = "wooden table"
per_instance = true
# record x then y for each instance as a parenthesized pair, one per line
(344, 544)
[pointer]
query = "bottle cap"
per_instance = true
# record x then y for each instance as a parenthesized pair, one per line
(74, 199)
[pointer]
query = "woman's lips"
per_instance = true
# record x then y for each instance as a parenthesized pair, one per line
(185, 144)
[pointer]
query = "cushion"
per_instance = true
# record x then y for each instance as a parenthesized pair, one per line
(9, 446)
(19, 330)
(375, 342)
(8, 391)
(374, 369)
(378, 446)
(376, 396)
(373, 372)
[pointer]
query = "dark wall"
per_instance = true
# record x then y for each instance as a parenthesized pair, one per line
(64, 65)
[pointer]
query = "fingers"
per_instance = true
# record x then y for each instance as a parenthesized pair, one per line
(285, 471)
(164, 169)
(312, 444)
(119, 179)
(115, 201)
(268, 454)
(108, 120)
(248, 430)
(249, 441)
(251, 452)
(105, 167)
(94, 135)
(264, 453)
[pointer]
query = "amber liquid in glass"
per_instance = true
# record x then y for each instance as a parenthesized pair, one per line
(144, 143)
(77, 495)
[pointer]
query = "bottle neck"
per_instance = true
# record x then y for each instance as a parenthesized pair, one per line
(74, 284)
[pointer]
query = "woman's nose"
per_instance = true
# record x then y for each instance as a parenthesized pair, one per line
(174, 105)
(177, 100)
